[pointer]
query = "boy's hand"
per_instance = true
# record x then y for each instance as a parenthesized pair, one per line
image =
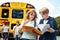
(14, 36)
(51, 30)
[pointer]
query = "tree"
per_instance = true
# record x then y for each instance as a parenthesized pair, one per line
(58, 21)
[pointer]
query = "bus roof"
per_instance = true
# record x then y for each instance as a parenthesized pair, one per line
(17, 4)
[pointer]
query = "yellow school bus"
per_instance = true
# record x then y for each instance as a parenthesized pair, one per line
(13, 11)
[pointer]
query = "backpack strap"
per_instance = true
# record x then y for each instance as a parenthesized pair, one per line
(34, 23)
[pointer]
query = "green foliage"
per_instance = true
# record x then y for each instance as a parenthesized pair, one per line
(58, 21)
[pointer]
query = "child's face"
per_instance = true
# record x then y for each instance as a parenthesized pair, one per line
(31, 15)
(44, 15)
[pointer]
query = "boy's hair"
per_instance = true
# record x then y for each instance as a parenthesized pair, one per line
(44, 9)
(6, 23)
(17, 22)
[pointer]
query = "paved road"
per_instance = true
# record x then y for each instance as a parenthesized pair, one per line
(58, 37)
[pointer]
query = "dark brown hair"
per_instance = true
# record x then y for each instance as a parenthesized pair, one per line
(6, 23)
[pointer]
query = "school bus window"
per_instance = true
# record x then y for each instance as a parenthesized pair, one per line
(12, 25)
(17, 13)
(5, 13)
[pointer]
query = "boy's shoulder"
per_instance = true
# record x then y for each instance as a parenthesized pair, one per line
(51, 18)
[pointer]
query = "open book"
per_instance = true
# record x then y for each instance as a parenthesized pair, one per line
(29, 29)
(43, 27)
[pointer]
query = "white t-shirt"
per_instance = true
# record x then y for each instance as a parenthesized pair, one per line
(45, 21)
(5, 28)
(26, 34)
(16, 29)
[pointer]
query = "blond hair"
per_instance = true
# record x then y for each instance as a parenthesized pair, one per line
(44, 9)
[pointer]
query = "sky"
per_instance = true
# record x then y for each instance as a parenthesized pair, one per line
(52, 5)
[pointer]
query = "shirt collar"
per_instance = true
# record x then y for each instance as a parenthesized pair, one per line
(47, 18)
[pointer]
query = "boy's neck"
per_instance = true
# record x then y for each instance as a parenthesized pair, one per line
(46, 18)
(17, 25)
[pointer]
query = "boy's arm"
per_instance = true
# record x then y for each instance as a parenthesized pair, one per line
(55, 26)
(14, 32)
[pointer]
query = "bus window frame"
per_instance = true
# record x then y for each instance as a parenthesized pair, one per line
(2, 13)
(20, 10)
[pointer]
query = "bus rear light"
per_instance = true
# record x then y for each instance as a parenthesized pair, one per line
(4, 5)
(29, 6)
(7, 5)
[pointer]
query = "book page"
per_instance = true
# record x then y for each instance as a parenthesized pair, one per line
(43, 27)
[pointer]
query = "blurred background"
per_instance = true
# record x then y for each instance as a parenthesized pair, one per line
(53, 5)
